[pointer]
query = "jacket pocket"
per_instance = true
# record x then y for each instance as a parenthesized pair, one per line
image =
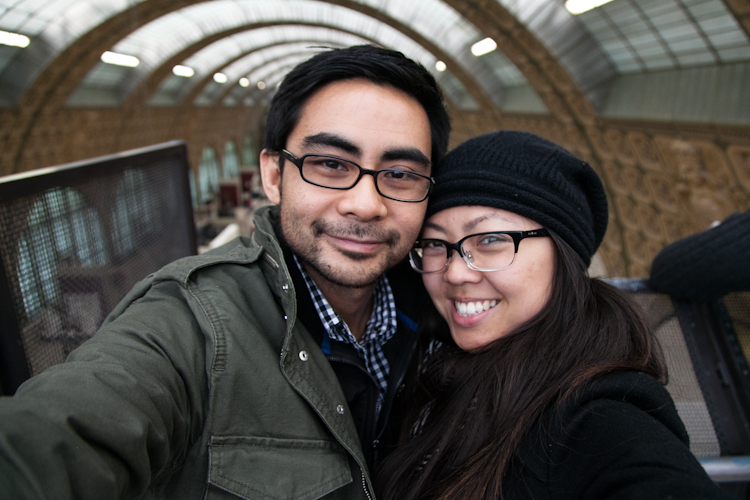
(265, 468)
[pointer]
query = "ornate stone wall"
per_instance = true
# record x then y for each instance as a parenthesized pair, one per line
(72, 134)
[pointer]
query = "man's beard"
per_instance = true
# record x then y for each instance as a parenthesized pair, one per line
(309, 256)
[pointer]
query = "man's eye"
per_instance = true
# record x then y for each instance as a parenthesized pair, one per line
(332, 164)
(400, 175)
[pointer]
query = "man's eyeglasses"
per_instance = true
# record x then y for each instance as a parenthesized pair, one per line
(337, 173)
(482, 251)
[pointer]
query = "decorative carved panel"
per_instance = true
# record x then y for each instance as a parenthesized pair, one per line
(646, 151)
(535, 77)
(651, 223)
(557, 107)
(637, 184)
(558, 74)
(626, 209)
(599, 142)
(739, 157)
(704, 181)
(621, 147)
(663, 191)
(582, 107)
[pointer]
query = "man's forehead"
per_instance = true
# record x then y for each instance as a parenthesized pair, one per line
(353, 115)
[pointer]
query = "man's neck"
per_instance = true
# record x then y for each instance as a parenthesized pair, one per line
(353, 305)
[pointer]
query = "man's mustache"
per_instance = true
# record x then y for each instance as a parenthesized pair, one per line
(345, 229)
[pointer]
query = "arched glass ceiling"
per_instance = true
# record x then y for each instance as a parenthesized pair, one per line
(52, 26)
(635, 35)
(573, 47)
(162, 38)
(156, 42)
(213, 57)
(264, 62)
(263, 96)
(271, 75)
(32, 17)
(247, 96)
(643, 35)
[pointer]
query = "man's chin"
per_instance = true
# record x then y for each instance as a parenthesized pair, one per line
(357, 275)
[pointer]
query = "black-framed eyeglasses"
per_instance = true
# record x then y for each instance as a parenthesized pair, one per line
(333, 172)
(481, 251)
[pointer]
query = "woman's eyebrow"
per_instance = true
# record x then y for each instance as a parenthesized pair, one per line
(472, 224)
(432, 225)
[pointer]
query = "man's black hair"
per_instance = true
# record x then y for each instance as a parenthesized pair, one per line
(378, 65)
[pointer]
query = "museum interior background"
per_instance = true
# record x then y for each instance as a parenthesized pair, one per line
(654, 94)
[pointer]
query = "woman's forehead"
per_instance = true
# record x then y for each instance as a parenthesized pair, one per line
(468, 218)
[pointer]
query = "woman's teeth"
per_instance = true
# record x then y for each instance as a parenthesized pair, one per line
(473, 308)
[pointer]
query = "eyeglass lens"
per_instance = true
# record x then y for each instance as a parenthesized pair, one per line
(484, 252)
(336, 173)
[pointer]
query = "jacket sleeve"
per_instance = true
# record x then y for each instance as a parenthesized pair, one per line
(123, 408)
(624, 440)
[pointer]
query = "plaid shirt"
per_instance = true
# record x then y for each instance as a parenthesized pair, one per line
(380, 328)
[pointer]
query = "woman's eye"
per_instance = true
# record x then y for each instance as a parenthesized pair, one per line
(494, 239)
(432, 247)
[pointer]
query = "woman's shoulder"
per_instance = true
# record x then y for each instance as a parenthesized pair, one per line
(629, 392)
(621, 436)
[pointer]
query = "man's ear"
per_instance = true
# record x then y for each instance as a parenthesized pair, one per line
(270, 175)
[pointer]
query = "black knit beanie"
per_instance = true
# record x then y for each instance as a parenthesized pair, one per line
(530, 176)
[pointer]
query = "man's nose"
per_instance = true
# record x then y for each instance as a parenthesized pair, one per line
(363, 200)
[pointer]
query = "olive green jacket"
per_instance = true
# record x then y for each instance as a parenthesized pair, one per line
(200, 384)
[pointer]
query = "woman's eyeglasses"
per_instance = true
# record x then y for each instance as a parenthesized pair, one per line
(482, 251)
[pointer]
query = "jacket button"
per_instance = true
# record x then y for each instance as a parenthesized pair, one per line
(285, 287)
(340, 409)
(303, 355)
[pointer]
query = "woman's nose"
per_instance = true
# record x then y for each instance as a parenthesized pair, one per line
(458, 271)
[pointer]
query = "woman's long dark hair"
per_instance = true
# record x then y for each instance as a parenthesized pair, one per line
(471, 411)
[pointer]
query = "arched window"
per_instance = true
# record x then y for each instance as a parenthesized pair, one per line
(208, 176)
(193, 191)
(249, 156)
(136, 207)
(61, 228)
(231, 162)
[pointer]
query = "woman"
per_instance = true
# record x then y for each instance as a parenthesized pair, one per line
(536, 381)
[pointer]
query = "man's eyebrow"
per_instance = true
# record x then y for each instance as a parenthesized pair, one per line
(413, 155)
(331, 140)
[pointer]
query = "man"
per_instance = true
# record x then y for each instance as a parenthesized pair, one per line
(267, 368)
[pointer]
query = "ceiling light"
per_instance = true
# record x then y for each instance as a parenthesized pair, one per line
(185, 71)
(244, 82)
(576, 7)
(120, 59)
(220, 78)
(482, 47)
(440, 66)
(13, 39)
(261, 85)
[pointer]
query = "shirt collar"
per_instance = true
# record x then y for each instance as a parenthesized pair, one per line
(380, 327)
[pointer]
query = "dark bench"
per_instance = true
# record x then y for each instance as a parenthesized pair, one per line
(707, 345)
